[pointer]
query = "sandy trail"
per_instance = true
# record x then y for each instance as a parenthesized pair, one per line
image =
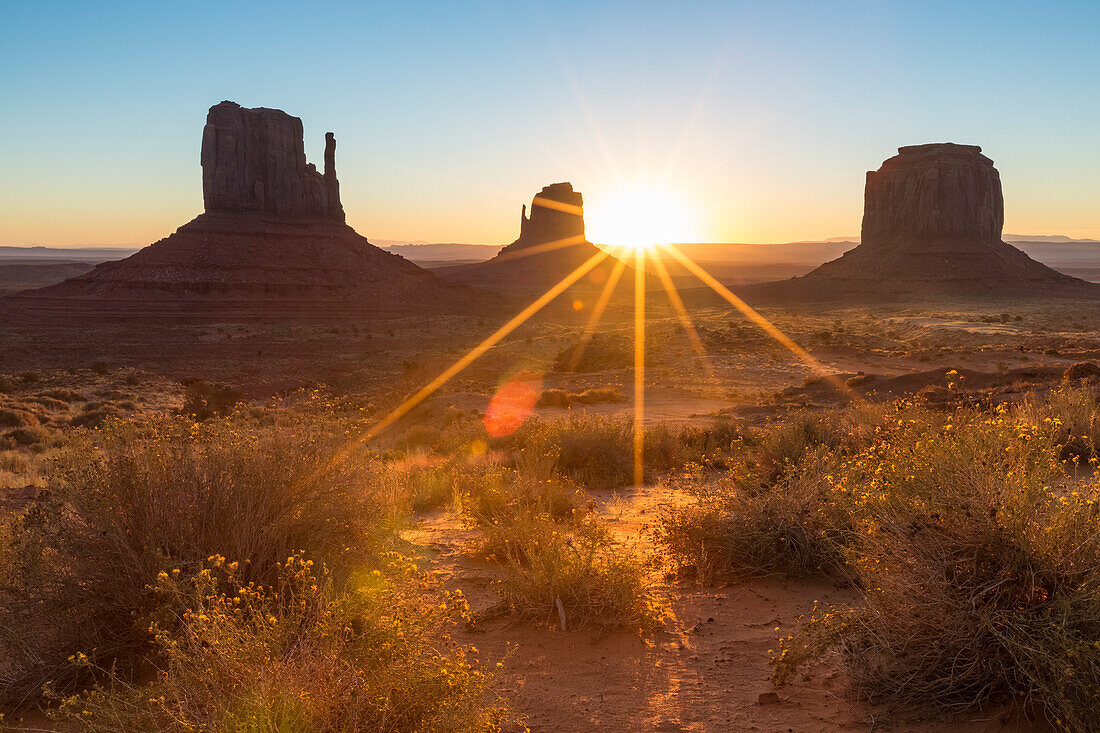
(704, 671)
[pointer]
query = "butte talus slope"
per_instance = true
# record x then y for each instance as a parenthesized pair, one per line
(551, 245)
(931, 228)
(272, 243)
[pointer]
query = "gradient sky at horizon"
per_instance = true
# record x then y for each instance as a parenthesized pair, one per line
(449, 116)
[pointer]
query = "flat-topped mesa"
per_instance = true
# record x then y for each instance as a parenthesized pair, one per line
(254, 160)
(939, 191)
(557, 213)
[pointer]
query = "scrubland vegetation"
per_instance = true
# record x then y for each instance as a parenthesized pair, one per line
(242, 570)
(972, 535)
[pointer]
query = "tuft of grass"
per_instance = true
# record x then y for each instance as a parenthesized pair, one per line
(308, 654)
(31, 435)
(553, 398)
(204, 400)
(735, 524)
(16, 418)
(597, 395)
(575, 578)
(978, 562)
(129, 501)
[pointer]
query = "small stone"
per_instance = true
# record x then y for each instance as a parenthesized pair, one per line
(768, 698)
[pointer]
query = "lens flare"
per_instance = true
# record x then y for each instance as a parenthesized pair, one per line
(512, 404)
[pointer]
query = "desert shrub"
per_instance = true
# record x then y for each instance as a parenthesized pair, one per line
(419, 485)
(15, 418)
(419, 437)
(734, 524)
(597, 583)
(597, 452)
(7, 385)
(204, 400)
(311, 654)
(63, 394)
(1074, 415)
(711, 445)
(597, 395)
(14, 462)
(133, 379)
(29, 435)
(593, 451)
(601, 352)
(553, 398)
(28, 377)
(979, 568)
(127, 502)
(50, 403)
(95, 414)
(100, 367)
(506, 498)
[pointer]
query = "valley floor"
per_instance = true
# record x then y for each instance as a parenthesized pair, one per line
(707, 669)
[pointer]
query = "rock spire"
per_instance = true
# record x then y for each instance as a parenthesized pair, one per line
(254, 160)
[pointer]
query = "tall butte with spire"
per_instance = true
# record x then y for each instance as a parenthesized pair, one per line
(551, 244)
(932, 222)
(272, 243)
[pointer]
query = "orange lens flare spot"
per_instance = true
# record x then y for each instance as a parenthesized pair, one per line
(511, 405)
(577, 305)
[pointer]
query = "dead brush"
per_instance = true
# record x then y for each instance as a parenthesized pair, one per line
(596, 451)
(575, 578)
(128, 502)
(309, 653)
(736, 525)
(979, 566)
(1074, 413)
(511, 500)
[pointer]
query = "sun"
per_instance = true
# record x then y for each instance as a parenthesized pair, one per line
(640, 216)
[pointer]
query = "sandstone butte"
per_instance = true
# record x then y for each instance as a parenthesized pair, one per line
(271, 244)
(932, 220)
(551, 244)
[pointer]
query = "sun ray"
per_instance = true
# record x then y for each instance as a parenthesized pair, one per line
(561, 206)
(485, 345)
(639, 365)
(682, 314)
(536, 249)
(749, 312)
(597, 313)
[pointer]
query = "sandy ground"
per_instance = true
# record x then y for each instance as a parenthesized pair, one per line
(705, 670)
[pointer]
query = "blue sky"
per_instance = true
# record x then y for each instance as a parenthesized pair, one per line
(449, 116)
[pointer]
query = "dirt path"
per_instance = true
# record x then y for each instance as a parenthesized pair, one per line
(704, 671)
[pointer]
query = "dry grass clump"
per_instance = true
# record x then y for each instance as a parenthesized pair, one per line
(309, 654)
(511, 500)
(17, 418)
(593, 396)
(1073, 413)
(203, 400)
(979, 566)
(539, 526)
(575, 577)
(596, 452)
(597, 395)
(553, 398)
(128, 502)
(736, 524)
(601, 352)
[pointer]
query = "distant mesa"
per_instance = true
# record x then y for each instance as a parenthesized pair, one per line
(932, 224)
(551, 244)
(271, 244)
